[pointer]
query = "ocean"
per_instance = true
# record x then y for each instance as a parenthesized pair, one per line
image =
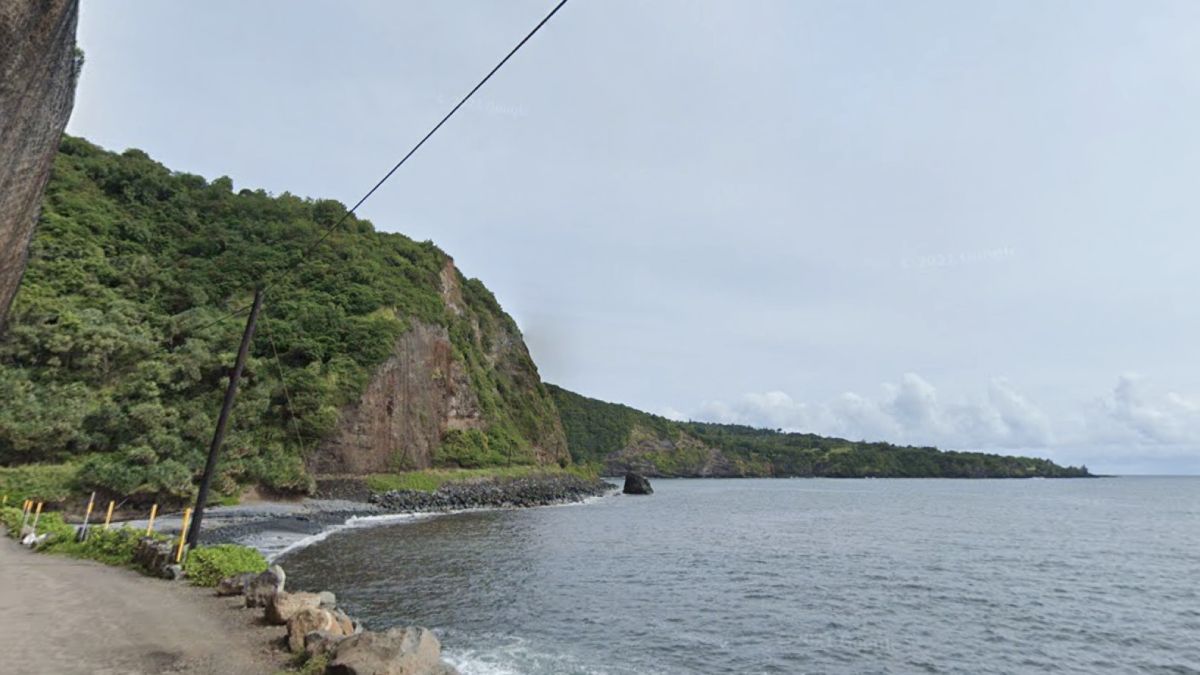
(795, 576)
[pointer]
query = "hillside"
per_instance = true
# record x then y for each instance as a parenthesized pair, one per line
(620, 438)
(375, 354)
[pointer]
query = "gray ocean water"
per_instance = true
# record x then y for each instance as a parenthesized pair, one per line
(794, 576)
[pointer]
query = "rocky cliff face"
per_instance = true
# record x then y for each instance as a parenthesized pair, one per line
(430, 387)
(37, 90)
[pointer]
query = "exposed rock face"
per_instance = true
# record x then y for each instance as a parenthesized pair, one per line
(636, 484)
(418, 394)
(425, 390)
(37, 91)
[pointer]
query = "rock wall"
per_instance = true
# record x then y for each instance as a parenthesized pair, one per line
(419, 393)
(425, 390)
(37, 91)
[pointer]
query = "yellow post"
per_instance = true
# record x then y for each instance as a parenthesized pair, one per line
(37, 515)
(150, 525)
(108, 518)
(91, 503)
(187, 515)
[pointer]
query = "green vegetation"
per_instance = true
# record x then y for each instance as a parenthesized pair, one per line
(111, 547)
(597, 429)
(116, 355)
(40, 482)
(430, 480)
(208, 565)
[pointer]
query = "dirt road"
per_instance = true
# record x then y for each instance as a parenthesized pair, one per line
(59, 615)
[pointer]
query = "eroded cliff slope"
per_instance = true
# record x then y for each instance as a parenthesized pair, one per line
(373, 352)
(38, 68)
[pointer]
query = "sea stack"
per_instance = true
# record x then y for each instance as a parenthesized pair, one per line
(636, 484)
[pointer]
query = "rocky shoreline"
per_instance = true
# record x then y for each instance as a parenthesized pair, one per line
(272, 529)
(521, 492)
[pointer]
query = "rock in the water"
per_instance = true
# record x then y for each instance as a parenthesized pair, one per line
(264, 587)
(396, 651)
(236, 584)
(283, 606)
(328, 600)
(311, 620)
(636, 484)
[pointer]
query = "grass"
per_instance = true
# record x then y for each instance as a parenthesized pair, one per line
(40, 482)
(429, 480)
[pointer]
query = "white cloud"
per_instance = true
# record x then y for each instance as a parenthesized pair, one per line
(1129, 422)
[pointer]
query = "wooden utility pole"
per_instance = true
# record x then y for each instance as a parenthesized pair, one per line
(193, 535)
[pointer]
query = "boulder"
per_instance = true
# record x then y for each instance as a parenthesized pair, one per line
(311, 620)
(235, 585)
(320, 642)
(636, 484)
(155, 556)
(396, 651)
(283, 606)
(345, 623)
(173, 572)
(263, 587)
(328, 600)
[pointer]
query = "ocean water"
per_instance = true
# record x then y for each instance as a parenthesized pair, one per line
(795, 576)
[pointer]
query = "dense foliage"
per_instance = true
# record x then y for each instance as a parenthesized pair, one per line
(597, 429)
(208, 565)
(117, 350)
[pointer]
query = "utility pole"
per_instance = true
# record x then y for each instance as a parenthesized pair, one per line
(210, 466)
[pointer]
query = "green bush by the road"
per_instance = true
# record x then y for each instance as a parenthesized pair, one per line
(208, 565)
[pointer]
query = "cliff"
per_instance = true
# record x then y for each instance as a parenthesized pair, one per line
(617, 438)
(37, 90)
(424, 393)
(373, 354)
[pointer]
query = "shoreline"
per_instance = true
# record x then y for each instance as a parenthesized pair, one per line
(278, 528)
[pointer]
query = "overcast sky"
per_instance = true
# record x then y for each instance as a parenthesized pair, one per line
(965, 223)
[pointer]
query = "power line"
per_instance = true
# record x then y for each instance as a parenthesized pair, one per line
(329, 230)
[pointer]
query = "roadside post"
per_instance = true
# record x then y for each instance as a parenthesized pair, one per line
(150, 525)
(108, 516)
(183, 535)
(36, 516)
(83, 530)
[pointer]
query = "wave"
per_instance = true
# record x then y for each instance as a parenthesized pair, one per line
(377, 520)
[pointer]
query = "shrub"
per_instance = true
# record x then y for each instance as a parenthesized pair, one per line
(111, 547)
(207, 565)
(41, 482)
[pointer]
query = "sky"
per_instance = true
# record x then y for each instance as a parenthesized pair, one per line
(964, 224)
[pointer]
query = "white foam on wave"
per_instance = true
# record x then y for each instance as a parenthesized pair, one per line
(390, 518)
(352, 522)
(516, 656)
